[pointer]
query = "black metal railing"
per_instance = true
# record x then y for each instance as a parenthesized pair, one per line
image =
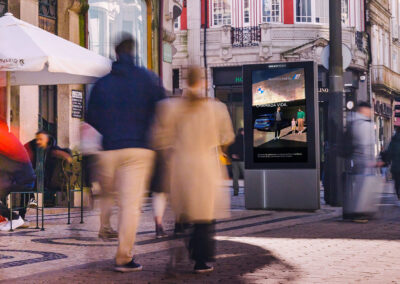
(360, 41)
(246, 36)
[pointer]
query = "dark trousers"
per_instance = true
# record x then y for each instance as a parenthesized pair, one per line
(396, 178)
(4, 211)
(14, 177)
(237, 171)
(278, 129)
(202, 242)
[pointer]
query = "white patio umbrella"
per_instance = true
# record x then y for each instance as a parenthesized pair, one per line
(33, 56)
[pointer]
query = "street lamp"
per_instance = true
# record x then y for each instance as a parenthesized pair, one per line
(335, 110)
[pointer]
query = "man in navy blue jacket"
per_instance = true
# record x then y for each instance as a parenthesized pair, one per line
(122, 108)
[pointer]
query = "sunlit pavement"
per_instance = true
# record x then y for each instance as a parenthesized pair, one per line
(253, 247)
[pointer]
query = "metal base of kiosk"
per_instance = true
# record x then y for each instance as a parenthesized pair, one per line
(296, 189)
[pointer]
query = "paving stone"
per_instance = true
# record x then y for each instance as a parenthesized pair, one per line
(253, 247)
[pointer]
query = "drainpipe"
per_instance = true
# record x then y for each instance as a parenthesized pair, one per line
(160, 39)
(205, 44)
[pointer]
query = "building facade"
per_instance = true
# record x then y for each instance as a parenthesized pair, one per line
(383, 25)
(224, 35)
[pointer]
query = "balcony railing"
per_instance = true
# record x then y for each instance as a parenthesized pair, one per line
(383, 77)
(246, 37)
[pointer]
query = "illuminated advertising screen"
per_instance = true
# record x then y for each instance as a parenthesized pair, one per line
(279, 119)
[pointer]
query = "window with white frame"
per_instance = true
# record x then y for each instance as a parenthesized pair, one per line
(395, 62)
(246, 12)
(221, 12)
(317, 11)
(271, 11)
(345, 12)
(303, 11)
(177, 23)
(322, 11)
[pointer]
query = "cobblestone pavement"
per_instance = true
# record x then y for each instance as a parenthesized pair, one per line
(253, 247)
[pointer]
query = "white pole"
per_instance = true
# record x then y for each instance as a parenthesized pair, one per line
(8, 91)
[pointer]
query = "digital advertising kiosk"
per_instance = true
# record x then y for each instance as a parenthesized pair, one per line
(281, 136)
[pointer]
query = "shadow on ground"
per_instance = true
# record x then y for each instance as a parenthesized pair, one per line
(234, 261)
(384, 226)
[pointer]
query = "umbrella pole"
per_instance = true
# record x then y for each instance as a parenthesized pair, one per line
(8, 92)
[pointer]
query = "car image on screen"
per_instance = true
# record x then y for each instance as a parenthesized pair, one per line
(265, 122)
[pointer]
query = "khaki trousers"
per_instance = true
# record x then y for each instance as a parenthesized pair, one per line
(126, 172)
(301, 124)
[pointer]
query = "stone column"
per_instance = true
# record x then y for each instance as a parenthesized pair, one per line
(266, 42)
(68, 28)
(25, 101)
(194, 32)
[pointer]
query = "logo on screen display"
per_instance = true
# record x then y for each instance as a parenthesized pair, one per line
(296, 76)
(260, 91)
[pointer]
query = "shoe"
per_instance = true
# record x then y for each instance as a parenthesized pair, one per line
(129, 267)
(33, 203)
(360, 221)
(180, 229)
(200, 268)
(108, 234)
(160, 233)
(15, 224)
(25, 225)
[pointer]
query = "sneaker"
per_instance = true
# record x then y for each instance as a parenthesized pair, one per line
(32, 203)
(108, 234)
(200, 268)
(129, 267)
(15, 224)
(160, 233)
(25, 225)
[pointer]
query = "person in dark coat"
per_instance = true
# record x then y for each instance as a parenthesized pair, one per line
(122, 108)
(278, 115)
(392, 155)
(236, 154)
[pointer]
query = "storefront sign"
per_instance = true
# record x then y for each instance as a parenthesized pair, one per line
(77, 104)
(383, 109)
(227, 76)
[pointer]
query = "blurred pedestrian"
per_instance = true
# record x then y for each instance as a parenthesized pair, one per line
(392, 155)
(16, 175)
(362, 140)
(191, 129)
(159, 188)
(362, 187)
(122, 108)
(90, 147)
(236, 154)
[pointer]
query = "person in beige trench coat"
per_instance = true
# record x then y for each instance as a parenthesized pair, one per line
(191, 131)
